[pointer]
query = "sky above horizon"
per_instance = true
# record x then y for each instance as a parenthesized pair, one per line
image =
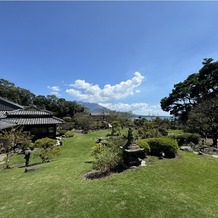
(123, 55)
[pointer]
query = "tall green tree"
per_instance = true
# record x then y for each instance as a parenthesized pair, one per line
(116, 127)
(18, 95)
(185, 95)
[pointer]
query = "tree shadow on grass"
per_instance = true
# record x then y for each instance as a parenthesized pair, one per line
(97, 174)
(30, 165)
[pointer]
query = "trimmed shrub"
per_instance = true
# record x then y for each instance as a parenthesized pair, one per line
(45, 143)
(187, 138)
(69, 134)
(142, 143)
(166, 145)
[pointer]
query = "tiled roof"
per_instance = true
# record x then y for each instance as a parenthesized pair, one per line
(2, 114)
(21, 112)
(34, 121)
(28, 115)
(5, 125)
(5, 104)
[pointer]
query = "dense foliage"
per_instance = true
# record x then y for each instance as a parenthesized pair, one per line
(116, 127)
(152, 128)
(195, 101)
(187, 138)
(18, 95)
(107, 156)
(195, 89)
(204, 118)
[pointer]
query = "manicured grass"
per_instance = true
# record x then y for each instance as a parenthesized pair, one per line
(182, 187)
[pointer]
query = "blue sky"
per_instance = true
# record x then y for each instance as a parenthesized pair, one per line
(124, 55)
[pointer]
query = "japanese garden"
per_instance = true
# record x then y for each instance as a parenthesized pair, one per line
(59, 160)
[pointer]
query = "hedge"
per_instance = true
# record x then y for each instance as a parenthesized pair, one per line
(166, 145)
(187, 138)
(69, 134)
(142, 143)
(155, 146)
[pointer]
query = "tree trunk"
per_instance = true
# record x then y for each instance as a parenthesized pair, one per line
(215, 142)
(7, 160)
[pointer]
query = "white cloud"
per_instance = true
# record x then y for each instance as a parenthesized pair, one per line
(137, 108)
(93, 93)
(55, 90)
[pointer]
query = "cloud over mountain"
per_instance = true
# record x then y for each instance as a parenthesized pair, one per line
(136, 108)
(85, 91)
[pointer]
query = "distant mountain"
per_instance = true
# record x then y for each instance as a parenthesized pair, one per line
(94, 108)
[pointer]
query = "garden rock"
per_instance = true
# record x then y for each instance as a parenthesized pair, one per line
(186, 148)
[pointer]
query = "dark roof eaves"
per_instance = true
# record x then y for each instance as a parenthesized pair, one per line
(11, 102)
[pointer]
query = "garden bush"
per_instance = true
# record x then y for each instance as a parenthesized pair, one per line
(46, 149)
(45, 143)
(142, 143)
(69, 134)
(107, 156)
(97, 149)
(118, 141)
(166, 145)
(187, 138)
(47, 154)
(106, 161)
(62, 132)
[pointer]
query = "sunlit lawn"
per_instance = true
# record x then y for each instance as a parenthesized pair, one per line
(181, 187)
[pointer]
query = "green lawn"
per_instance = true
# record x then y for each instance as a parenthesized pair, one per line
(181, 187)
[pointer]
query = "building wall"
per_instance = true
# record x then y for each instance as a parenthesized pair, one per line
(42, 131)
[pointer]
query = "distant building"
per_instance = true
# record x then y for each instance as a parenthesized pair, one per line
(41, 123)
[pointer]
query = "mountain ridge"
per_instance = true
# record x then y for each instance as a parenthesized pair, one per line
(94, 108)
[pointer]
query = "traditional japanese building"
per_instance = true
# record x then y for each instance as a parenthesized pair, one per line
(41, 123)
